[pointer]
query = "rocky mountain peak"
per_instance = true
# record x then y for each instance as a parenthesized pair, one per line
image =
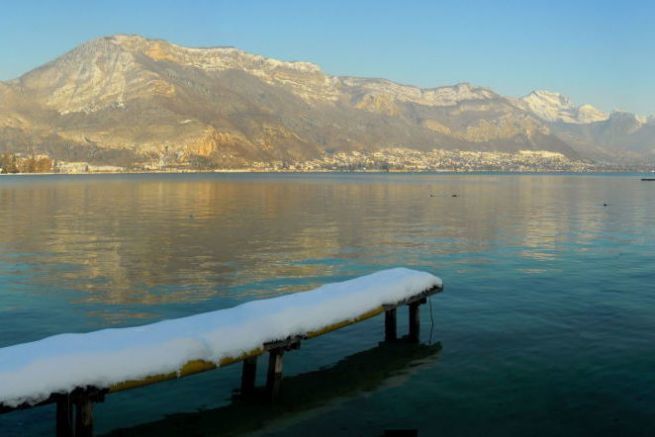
(109, 71)
(207, 58)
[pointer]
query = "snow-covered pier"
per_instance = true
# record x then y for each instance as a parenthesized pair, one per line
(76, 370)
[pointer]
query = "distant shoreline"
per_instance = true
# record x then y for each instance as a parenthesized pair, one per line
(250, 171)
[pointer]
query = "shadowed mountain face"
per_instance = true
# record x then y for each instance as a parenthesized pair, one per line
(126, 100)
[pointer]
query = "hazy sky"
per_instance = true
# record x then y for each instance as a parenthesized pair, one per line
(598, 52)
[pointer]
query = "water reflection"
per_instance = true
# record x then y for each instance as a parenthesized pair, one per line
(384, 365)
(150, 241)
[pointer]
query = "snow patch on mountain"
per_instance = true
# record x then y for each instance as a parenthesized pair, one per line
(645, 119)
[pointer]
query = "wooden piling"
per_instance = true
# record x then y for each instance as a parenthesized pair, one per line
(274, 374)
(248, 376)
(84, 418)
(390, 330)
(64, 425)
(414, 322)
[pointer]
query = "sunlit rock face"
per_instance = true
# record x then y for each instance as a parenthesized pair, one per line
(127, 100)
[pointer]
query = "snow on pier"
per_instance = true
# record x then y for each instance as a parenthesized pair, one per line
(115, 359)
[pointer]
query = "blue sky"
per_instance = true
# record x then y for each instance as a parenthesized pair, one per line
(597, 52)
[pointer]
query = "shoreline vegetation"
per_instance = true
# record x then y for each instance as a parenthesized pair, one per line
(388, 161)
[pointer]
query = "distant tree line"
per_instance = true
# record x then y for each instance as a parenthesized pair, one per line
(12, 163)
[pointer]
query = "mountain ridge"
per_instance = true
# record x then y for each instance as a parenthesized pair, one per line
(126, 99)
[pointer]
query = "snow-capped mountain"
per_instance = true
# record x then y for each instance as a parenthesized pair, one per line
(554, 107)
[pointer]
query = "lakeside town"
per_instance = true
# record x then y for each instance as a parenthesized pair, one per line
(386, 160)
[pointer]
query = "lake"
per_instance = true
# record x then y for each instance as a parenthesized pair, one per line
(546, 325)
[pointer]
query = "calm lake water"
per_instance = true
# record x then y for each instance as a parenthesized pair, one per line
(546, 325)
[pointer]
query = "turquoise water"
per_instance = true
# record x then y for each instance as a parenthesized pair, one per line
(546, 326)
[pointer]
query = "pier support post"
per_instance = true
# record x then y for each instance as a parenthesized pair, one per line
(248, 376)
(84, 418)
(274, 375)
(414, 322)
(64, 425)
(390, 330)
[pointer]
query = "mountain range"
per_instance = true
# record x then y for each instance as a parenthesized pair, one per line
(127, 100)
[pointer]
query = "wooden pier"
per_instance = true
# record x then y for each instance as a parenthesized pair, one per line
(74, 410)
